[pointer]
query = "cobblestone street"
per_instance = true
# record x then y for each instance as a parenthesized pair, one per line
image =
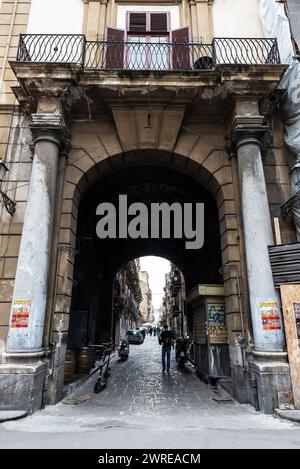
(143, 408)
(139, 388)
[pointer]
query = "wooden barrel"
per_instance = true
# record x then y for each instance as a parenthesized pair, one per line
(84, 359)
(70, 364)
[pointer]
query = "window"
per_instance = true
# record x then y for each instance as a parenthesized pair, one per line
(148, 23)
(150, 32)
(148, 44)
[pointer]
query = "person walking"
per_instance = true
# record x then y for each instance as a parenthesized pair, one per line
(166, 340)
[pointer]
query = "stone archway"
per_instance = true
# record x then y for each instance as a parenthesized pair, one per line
(87, 166)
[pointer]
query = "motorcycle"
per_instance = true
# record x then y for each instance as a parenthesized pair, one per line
(123, 351)
(181, 351)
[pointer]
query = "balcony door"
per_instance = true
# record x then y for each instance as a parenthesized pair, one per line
(148, 44)
(149, 34)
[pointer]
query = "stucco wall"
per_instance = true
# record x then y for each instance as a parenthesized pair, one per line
(236, 18)
(56, 16)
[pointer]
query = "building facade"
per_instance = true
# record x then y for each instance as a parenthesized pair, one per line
(174, 310)
(146, 307)
(127, 300)
(161, 101)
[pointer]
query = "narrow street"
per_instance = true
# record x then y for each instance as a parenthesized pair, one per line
(143, 408)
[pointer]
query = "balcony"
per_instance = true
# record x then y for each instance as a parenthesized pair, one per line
(138, 56)
(176, 283)
(176, 309)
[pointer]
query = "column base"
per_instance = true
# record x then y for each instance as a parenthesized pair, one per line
(21, 386)
(269, 378)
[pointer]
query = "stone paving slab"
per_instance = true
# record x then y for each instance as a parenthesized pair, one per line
(138, 387)
(7, 415)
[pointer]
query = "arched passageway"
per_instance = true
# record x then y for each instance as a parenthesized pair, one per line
(147, 177)
(98, 260)
(93, 314)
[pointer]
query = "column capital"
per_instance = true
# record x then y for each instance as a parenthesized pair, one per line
(50, 127)
(247, 126)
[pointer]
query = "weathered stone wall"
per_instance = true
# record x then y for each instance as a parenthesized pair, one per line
(14, 149)
(278, 178)
(18, 159)
(14, 16)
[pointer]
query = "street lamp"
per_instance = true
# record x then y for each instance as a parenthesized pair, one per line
(8, 203)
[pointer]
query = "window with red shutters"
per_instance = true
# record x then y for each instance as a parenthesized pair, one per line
(137, 22)
(115, 48)
(154, 45)
(159, 22)
(181, 56)
(148, 22)
(144, 29)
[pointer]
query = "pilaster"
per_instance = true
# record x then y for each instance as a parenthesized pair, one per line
(204, 20)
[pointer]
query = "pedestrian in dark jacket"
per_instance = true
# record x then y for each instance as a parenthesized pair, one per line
(166, 339)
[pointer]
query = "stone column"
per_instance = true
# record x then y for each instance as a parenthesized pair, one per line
(49, 133)
(258, 236)
(267, 361)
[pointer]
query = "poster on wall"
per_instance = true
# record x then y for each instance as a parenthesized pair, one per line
(270, 317)
(217, 330)
(20, 313)
(297, 319)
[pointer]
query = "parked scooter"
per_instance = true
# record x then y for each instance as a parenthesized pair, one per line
(181, 350)
(123, 351)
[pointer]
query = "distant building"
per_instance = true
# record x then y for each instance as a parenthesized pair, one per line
(127, 296)
(174, 302)
(146, 307)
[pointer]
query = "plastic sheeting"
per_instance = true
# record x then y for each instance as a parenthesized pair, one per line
(276, 24)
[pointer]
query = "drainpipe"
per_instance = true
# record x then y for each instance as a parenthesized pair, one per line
(242, 341)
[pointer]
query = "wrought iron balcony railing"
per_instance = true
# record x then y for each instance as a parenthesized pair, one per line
(160, 56)
(57, 48)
